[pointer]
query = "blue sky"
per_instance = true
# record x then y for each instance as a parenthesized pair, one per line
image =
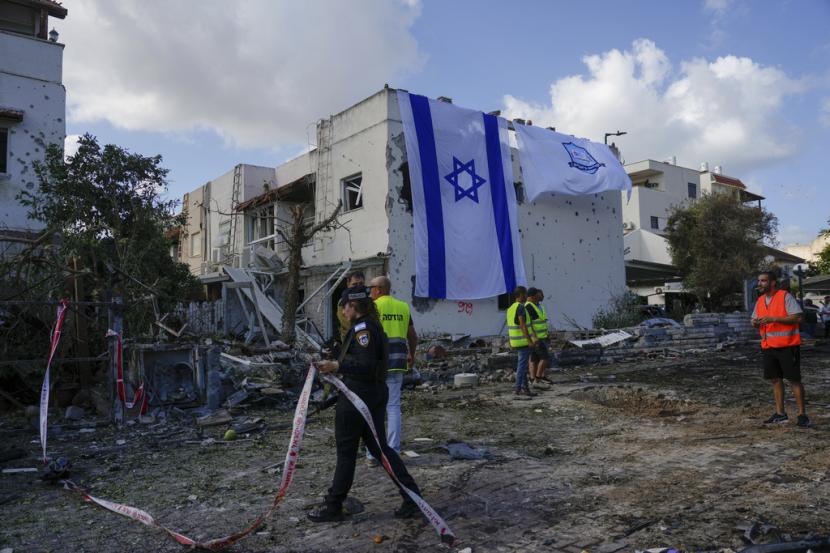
(209, 84)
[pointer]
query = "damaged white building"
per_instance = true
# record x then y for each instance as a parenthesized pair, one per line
(572, 245)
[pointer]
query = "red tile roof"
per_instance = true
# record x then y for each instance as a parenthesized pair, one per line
(729, 181)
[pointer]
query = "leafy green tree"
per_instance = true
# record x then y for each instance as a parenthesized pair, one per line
(105, 207)
(717, 242)
(820, 266)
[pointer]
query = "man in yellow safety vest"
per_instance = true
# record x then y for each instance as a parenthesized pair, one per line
(400, 331)
(537, 323)
(520, 339)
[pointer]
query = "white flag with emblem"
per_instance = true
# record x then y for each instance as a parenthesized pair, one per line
(563, 164)
(464, 204)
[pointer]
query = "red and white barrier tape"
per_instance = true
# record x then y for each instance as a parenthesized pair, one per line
(289, 467)
(217, 544)
(138, 396)
(44, 389)
(433, 517)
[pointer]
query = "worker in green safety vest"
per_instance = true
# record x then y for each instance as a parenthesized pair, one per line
(520, 339)
(397, 323)
(537, 323)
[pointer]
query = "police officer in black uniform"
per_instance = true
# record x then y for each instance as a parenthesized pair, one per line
(363, 367)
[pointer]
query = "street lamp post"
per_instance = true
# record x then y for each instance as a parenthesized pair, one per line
(618, 133)
(799, 272)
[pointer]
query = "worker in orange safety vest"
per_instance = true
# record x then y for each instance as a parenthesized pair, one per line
(777, 316)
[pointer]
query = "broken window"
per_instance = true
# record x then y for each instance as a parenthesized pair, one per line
(405, 194)
(353, 192)
(504, 302)
(655, 223)
(4, 149)
(520, 192)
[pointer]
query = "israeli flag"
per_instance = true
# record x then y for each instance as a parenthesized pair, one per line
(564, 164)
(464, 204)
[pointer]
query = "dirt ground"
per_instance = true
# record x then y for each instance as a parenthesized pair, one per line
(611, 458)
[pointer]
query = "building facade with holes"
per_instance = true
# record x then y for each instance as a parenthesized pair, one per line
(572, 246)
(32, 106)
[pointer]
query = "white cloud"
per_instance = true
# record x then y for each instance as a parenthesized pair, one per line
(717, 7)
(70, 145)
(824, 112)
(725, 111)
(256, 72)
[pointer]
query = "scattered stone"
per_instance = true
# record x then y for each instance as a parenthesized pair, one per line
(74, 413)
(410, 453)
(120, 442)
(465, 380)
(192, 497)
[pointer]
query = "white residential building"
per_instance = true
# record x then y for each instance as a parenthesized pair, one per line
(32, 104)
(572, 246)
(658, 186)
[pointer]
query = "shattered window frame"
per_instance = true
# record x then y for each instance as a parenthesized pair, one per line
(352, 192)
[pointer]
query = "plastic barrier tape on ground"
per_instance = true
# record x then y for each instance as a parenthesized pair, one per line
(433, 517)
(220, 543)
(122, 392)
(44, 389)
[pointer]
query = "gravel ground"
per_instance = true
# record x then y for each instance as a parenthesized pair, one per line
(610, 458)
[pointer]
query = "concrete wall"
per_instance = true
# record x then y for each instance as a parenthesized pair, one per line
(192, 250)
(572, 248)
(216, 198)
(30, 81)
(672, 190)
(359, 135)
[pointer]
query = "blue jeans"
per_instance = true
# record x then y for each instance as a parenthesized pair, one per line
(394, 380)
(521, 368)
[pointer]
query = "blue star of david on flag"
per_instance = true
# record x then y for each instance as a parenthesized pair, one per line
(470, 169)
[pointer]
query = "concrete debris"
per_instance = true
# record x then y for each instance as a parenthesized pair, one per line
(604, 340)
(73, 413)
(236, 398)
(214, 419)
(465, 380)
(462, 451)
(436, 352)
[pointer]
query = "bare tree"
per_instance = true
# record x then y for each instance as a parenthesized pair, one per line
(301, 232)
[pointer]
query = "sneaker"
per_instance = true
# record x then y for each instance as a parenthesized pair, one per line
(325, 513)
(777, 418)
(803, 421)
(528, 392)
(371, 462)
(408, 509)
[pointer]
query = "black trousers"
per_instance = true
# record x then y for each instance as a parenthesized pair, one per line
(349, 428)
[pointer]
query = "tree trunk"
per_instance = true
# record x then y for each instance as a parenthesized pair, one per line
(295, 261)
